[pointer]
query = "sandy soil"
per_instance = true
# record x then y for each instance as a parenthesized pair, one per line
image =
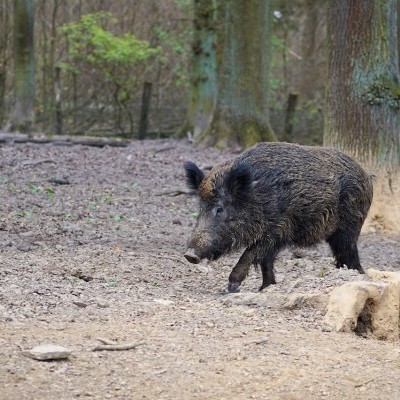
(91, 246)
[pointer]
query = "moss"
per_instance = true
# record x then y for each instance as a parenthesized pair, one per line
(382, 91)
(375, 86)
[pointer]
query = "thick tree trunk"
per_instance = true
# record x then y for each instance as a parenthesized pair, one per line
(363, 94)
(231, 107)
(22, 115)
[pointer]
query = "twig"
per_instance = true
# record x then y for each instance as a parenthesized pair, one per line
(106, 341)
(173, 193)
(36, 162)
(117, 347)
(164, 149)
(258, 341)
(364, 383)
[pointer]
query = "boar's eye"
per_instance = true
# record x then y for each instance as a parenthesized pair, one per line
(218, 210)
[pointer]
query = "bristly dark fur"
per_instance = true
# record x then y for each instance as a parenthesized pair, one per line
(276, 195)
(194, 175)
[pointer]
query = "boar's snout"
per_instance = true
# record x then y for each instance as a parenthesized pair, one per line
(191, 256)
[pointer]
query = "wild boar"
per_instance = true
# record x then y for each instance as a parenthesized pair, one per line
(276, 195)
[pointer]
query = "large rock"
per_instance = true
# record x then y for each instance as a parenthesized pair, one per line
(375, 304)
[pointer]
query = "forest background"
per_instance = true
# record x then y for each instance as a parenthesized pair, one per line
(98, 63)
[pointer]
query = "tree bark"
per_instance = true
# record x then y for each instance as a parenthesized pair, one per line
(203, 74)
(313, 68)
(145, 110)
(362, 115)
(4, 44)
(363, 93)
(290, 113)
(58, 102)
(234, 111)
(22, 115)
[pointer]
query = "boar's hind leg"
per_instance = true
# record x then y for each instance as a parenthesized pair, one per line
(241, 269)
(344, 249)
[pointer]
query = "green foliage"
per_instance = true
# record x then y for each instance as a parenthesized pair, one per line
(50, 193)
(36, 189)
(22, 214)
(111, 58)
(90, 42)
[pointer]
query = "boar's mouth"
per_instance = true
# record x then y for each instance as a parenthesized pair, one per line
(193, 258)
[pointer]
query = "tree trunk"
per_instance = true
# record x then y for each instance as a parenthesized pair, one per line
(203, 78)
(312, 65)
(145, 110)
(234, 104)
(58, 102)
(290, 113)
(22, 115)
(4, 44)
(363, 94)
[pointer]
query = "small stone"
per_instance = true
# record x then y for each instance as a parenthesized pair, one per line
(80, 304)
(71, 229)
(102, 304)
(60, 180)
(163, 302)
(48, 352)
(204, 269)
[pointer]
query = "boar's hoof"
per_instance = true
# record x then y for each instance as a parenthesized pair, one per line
(191, 257)
(233, 287)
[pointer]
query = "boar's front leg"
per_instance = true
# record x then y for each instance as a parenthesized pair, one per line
(267, 268)
(252, 256)
(241, 269)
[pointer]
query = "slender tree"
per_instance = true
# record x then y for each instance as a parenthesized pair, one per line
(363, 92)
(203, 74)
(231, 75)
(4, 58)
(22, 115)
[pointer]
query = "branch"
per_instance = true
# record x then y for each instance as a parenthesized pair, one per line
(116, 347)
(173, 193)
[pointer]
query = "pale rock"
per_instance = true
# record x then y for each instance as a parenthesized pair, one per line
(376, 275)
(48, 352)
(347, 302)
(385, 313)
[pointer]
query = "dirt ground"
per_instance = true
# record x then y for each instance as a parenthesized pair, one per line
(91, 246)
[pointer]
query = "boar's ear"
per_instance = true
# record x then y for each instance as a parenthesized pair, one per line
(239, 182)
(194, 175)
